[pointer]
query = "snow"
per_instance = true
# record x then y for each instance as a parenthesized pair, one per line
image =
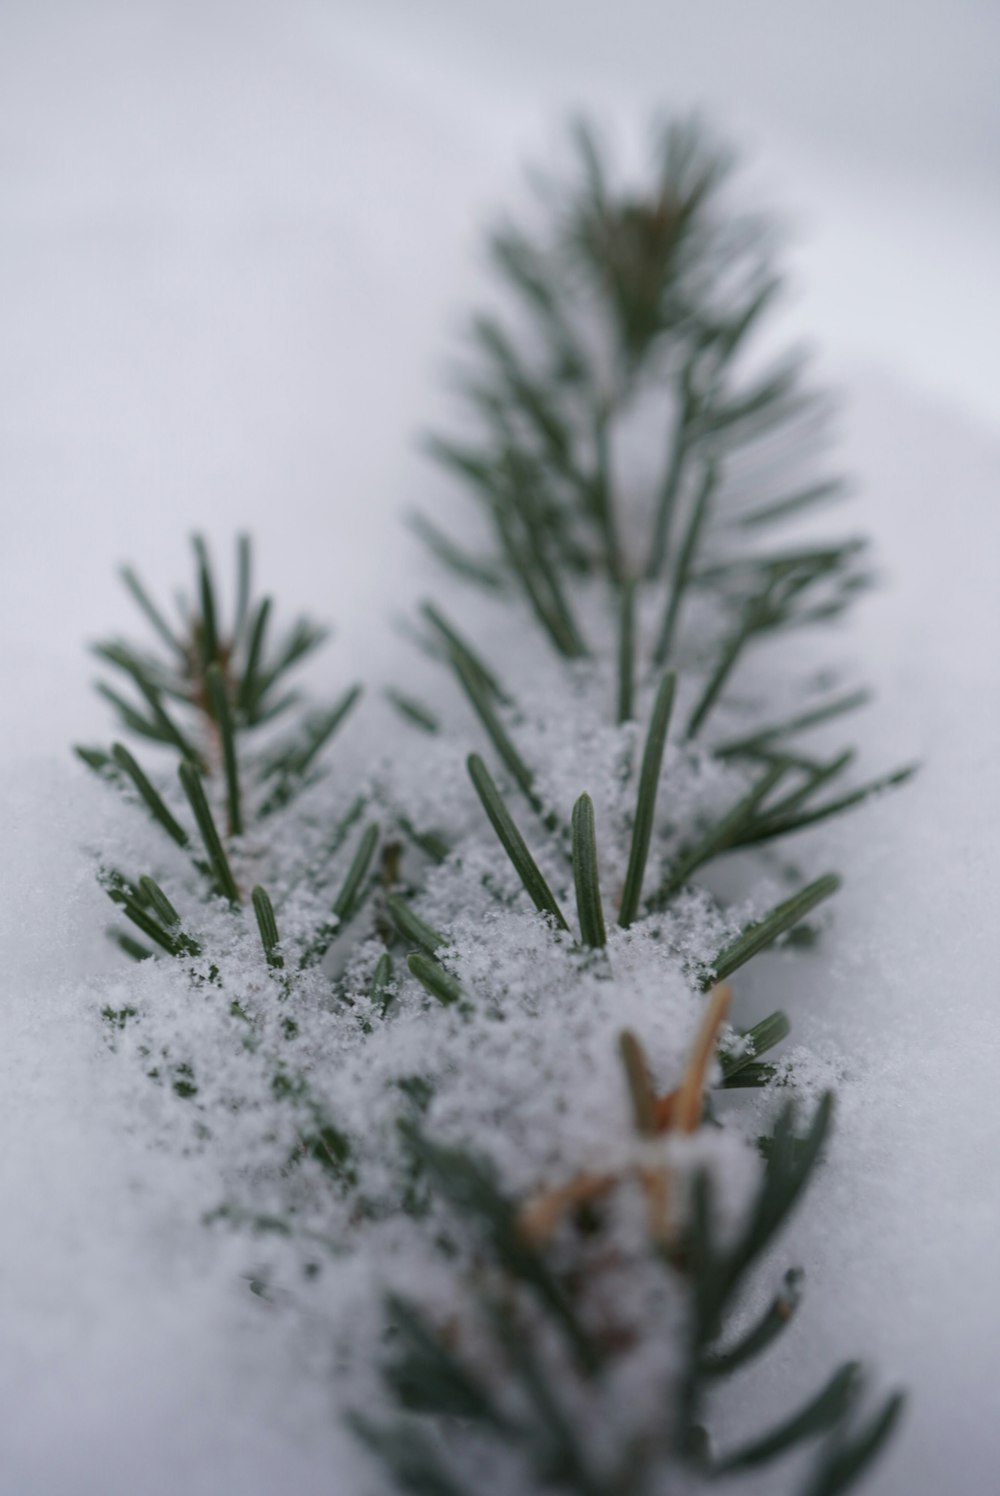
(234, 240)
(899, 1233)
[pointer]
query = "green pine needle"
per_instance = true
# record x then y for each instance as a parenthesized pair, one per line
(150, 795)
(482, 705)
(603, 497)
(848, 1456)
(132, 948)
(799, 723)
(248, 692)
(815, 780)
(531, 565)
(268, 927)
(649, 780)
(165, 939)
(626, 651)
(348, 899)
(152, 612)
(451, 555)
(431, 843)
(206, 592)
(322, 729)
(96, 759)
(756, 1041)
(223, 720)
(762, 1335)
(433, 977)
(411, 926)
(382, 984)
(414, 711)
(685, 561)
(513, 842)
(218, 861)
(130, 718)
(785, 825)
(792, 504)
(166, 727)
(764, 932)
(670, 487)
(345, 904)
(159, 903)
(829, 1406)
(588, 889)
(723, 835)
(753, 617)
(459, 649)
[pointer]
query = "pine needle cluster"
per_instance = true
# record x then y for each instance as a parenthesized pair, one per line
(467, 1015)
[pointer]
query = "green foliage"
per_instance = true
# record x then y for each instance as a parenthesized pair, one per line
(631, 302)
(633, 296)
(434, 978)
(194, 789)
(761, 933)
(427, 1376)
(223, 686)
(382, 992)
(412, 927)
(756, 1041)
(268, 926)
(645, 809)
(585, 874)
(626, 651)
(513, 842)
(685, 560)
(479, 698)
(153, 800)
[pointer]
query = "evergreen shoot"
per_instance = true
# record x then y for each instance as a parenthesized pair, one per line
(454, 1016)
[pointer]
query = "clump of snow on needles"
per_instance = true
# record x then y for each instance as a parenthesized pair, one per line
(134, 1357)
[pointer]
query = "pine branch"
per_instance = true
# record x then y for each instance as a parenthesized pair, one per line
(442, 922)
(643, 264)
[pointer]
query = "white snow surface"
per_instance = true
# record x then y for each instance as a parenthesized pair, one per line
(234, 241)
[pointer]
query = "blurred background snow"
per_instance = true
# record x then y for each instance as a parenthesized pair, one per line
(234, 239)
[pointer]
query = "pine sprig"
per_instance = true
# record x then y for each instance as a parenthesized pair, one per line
(223, 686)
(630, 302)
(674, 290)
